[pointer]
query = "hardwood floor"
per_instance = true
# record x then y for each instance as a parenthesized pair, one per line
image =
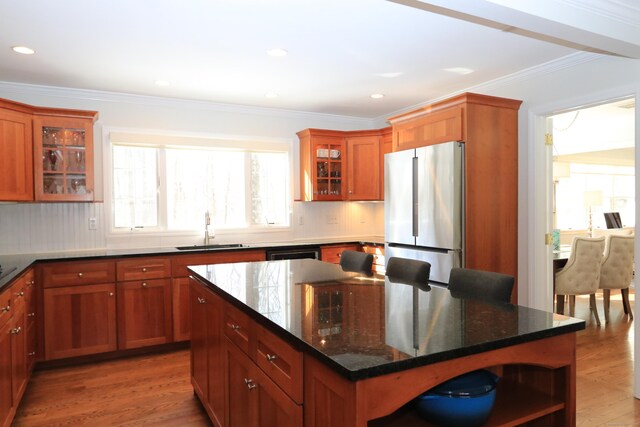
(155, 390)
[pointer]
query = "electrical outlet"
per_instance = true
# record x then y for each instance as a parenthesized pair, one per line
(332, 219)
(300, 220)
(93, 224)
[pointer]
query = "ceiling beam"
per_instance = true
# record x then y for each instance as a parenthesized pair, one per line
(578, 25)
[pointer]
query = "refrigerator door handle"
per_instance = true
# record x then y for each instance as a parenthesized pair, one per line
(415, 201)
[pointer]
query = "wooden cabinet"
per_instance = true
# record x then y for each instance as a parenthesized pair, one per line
(331, 253)
(16, 154)
(488, 126)
(243, 374)
(15, 342)
(386, 146)
(63, 153)
(208, 368)
(144, 302)
(378, 256)
(340, 165)
(363, 167)
(79, 308)
(180, 282)
(254, 399)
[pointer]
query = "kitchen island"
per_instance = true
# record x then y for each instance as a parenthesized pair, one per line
(301, 342)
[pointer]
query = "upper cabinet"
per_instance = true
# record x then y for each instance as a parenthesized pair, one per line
(340, 165)
(46, 153)
(63, 150)
(16, 153)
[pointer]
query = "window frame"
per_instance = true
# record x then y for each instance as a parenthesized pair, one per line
(161, 139)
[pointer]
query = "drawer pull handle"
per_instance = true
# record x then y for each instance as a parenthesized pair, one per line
(5, 309)
(31, 315)
(144, 284)
(250, 384)
(16, 331)
(201, 300)
(80, 274)
(235, 327)
(33, 353)
(20, 294)
(144, 269)
(271, 357)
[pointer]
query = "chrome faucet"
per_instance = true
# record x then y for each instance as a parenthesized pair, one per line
(209, 232)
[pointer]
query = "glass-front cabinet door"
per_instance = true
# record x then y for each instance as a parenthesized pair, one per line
(63, 159)
(329, 170)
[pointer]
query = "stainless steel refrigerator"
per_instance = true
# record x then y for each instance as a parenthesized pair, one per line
(424, 206)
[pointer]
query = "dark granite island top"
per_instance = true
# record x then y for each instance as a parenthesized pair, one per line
(371, 331)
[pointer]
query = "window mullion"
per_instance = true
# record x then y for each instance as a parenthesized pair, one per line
(161, 181)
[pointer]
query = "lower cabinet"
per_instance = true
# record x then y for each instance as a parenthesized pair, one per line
(254, 399)
(332, 253)
(79, 320)
(6, 392)
(229, 381)
(144, 313)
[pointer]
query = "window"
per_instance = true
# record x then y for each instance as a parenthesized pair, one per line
(169, 187)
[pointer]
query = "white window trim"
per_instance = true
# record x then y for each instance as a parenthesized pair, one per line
(180, 139)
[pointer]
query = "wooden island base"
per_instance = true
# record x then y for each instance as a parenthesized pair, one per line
(537, 383)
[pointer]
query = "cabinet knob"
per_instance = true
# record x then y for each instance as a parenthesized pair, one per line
(32, 353)
(110, 294)
(16, 331)
(144, 284)
(31, 315)
(20, 294)
(144, 269)
(271, 357)
(80, 274)
(201, 300)
(235, 327)
(5, 309)
(250, 384)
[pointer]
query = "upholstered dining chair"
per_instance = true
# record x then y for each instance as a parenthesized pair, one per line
(481, 284)
(581, 274)
(409, 271)
(358, 262)
(617, 271)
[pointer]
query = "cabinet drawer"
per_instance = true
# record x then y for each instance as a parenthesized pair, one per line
(143, 269)
(281, 362)
(77, 273)
(332, 253)
(237, 327)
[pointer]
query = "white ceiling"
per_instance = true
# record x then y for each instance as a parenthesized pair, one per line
(340, 51)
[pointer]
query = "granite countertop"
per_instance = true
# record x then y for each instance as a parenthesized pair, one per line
(23, 261)
(368, 326)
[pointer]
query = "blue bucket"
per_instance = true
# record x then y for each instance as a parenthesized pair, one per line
(464, 401)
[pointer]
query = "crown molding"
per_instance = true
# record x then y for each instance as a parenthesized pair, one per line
(616, 10)
(537, 71)
(155, 101)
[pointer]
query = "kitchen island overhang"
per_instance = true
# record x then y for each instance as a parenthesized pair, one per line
(370, 337)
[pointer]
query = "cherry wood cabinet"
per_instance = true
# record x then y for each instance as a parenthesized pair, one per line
(79, 304)
(180, 282)
(63, 153)
(331, 253)
(16, 154)
(488, 127)
(144, 302)
(6, 373)
(377, 250)
(340, 165)
(386, 146)
(46, 153)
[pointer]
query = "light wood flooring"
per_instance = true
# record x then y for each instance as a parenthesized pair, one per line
(155, 390)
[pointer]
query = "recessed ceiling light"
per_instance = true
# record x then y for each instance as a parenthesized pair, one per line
(377, 95)
(23, 50)
(459, 70)
(277, 52)
(271, 95)
(161, 82)
(391, 75)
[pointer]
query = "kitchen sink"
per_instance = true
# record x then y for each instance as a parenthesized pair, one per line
(217, 246)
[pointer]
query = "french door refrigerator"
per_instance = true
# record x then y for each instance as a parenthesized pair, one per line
(424, 207)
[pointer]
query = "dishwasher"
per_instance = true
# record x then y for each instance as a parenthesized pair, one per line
(295, 252)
